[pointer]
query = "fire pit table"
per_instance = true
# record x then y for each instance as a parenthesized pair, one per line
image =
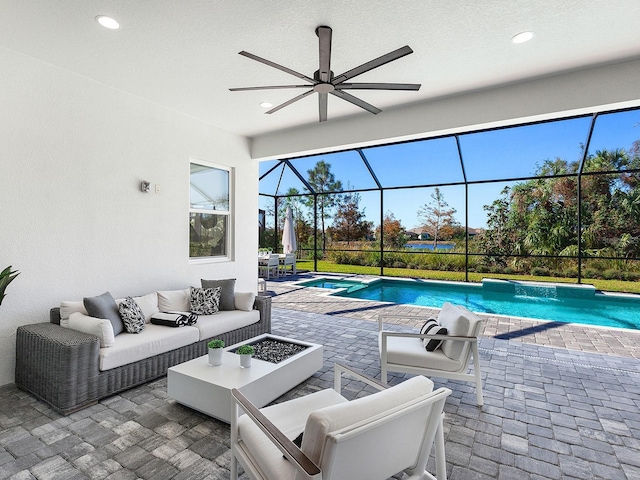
(208, 389)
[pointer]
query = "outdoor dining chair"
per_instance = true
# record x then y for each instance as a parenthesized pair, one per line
(407, 352)
(288, 263)
(270, 267)
(372, 437)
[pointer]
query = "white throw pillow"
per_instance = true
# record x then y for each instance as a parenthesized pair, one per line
(148, 304)
(100, 327)
(244, 300)
(67, 308)
(456, 320)
(174, 300)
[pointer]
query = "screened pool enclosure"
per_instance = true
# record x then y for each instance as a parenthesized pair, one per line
(557, 199)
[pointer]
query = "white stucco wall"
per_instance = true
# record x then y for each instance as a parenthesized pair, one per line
(571, 93)
(72, 217)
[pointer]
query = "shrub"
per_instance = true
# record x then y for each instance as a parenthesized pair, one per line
(631, 276)
(612, 274)
(540, 272)
(591, 273)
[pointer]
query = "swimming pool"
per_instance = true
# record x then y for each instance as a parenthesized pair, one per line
(563, 303)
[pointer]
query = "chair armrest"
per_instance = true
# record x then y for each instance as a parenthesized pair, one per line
(286, 446)
(418, 318)
(386, 333)
(339, 369)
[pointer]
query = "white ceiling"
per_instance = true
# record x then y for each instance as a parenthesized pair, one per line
(184, 54)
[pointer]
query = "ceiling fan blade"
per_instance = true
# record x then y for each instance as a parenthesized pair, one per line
(275, 65)
(270, 87)
(377, 62)
(378, 86)
(289, 102)
(323, 99)
(356, 101)
(324, 70)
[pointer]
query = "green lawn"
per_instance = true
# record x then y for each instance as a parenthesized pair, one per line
(330, 267)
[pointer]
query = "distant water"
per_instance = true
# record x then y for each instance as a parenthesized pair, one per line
(429, 246)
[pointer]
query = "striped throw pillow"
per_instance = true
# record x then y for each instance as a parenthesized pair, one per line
(433, 327)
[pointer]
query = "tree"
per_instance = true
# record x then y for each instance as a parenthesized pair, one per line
(393, 232)
(499, 238)
(323, 181)
(437, 218)
(349, 222)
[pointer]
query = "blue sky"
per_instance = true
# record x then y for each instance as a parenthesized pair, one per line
(497, 154)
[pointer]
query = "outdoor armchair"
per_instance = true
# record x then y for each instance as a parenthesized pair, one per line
(405, 352)
(372, 437)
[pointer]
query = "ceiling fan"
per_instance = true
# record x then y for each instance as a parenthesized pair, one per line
(324, 82)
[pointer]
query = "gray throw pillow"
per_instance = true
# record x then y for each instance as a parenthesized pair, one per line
(104, 306)
(227, 289)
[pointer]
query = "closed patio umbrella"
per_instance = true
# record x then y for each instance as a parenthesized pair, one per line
(289, 244)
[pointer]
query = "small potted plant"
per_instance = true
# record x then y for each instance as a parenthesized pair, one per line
(215, 351)
(245, 352)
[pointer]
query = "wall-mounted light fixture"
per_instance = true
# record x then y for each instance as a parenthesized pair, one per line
(145, 186)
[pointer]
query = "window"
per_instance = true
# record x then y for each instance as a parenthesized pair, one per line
(209, 211)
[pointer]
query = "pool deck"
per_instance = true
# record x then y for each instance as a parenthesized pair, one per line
(561, 402)
(573, 336)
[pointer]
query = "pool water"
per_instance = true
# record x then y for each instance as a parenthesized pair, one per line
(540, 302)
(350, 285)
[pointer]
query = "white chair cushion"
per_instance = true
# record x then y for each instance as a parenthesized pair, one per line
(154, 339)
(459, 322)
(290, 418)
(410, 352)
(329, 419)
(225, 321)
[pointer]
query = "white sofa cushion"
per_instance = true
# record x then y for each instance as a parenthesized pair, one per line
(153, 340)
(225, 321)
(411, 352)
(100, 327)
(290, 418)
(174, 300)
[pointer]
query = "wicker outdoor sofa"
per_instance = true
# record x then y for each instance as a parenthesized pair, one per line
(62, 366)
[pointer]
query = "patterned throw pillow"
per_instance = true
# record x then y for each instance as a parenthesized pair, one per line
(205, 301)
(433, 327)
(132, 316)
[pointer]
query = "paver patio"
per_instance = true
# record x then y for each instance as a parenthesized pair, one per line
(550, 411)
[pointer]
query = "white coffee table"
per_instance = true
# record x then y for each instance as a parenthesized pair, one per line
(208, 389)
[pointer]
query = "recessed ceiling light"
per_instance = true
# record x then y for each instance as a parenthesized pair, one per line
(266, 105)
(107, 22)
(522, 37)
